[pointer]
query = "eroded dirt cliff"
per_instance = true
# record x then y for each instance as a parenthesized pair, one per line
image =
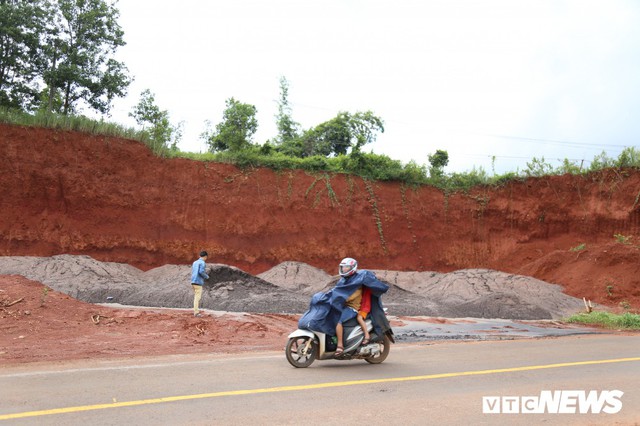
(112, 199)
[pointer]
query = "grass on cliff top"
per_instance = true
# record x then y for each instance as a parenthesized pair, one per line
(70, 122)
(366, 165)
(626, 321)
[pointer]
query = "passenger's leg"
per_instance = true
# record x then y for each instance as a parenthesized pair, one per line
(339, 333)
(364, 329)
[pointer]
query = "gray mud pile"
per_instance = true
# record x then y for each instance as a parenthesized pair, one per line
(169, 286)
(483, 293)
(287, 288)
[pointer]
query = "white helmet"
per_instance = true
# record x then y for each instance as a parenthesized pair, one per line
(348, 267)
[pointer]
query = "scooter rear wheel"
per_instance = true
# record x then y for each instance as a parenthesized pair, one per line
(386, 347)
(296, 353)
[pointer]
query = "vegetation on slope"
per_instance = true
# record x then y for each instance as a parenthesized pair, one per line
(367, 165)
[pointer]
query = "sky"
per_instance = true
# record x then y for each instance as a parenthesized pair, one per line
(494, 83)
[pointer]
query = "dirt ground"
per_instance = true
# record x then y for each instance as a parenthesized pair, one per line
(39, 324)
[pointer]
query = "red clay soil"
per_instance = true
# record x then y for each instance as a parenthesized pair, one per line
(112, 199)
(38, 324)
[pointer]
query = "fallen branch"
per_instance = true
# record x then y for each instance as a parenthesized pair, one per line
(14, 302)
(96, 318)
(579, 253)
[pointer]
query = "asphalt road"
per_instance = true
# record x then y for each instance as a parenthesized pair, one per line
(434, 383)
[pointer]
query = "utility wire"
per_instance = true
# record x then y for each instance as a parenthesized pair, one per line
(556, 142)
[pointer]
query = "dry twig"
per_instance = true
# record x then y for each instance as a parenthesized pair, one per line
(13, 303)
(96, 318)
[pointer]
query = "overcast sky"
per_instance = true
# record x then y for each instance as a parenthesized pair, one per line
(511, 79)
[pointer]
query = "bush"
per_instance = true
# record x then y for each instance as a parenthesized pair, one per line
(629, 157)
(463, 181)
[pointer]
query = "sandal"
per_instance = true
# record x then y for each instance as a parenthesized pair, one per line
(365, 342)
(339, 351)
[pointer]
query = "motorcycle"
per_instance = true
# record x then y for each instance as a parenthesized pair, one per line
(305, 346)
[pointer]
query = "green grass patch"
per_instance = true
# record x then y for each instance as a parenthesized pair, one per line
(69, 122)
(627, 321)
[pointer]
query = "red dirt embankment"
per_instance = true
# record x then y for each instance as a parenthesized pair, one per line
(38, 324)
(112, 199)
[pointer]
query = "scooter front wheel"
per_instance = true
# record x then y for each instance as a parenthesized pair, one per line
(301, 351)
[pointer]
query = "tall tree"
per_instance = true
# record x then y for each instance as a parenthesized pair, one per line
(23, 28)
(238, 126)
(81, 55)
(287, 128)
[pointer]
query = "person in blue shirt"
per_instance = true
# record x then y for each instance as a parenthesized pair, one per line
(198, 275)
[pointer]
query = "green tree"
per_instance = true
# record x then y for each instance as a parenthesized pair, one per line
(438, 162)
(364, 129)
(23, 27)
(330, 137)
(287, 128)
(155, 122)
(81, 63)
(234, 133)
(50, 101)
(342, 134)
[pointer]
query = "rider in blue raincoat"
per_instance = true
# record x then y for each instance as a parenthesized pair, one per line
(326, 309)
